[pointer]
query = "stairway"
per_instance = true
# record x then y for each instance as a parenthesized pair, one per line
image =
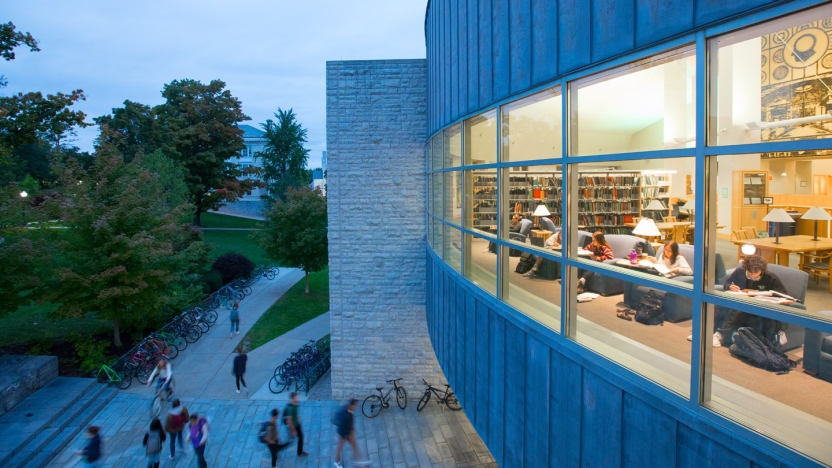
(38, 428)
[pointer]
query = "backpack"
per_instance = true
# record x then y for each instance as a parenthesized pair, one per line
(154, 442)
(177, 421)
(234, 314)
(649, 310)
(751, 345)
(525, 264)
(264, 430)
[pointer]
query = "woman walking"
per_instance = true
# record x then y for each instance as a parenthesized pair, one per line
(240, 368)
(198, 436)
(153, 440)
(235, 320)
(175, 425)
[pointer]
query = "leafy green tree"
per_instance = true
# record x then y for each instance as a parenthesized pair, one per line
(9, 40)
(126, 257)
(134, 130)
(296, 231)
(284, 157)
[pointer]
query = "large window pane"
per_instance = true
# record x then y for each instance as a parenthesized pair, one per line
(437, 151)
(793, 408)
(453, 248)
(481, 262)
(531, 127)
(482, 200)
(453, 197)
(481, 139)
(438, 243)
(535, 293)
(773, 82)
(453, 146)
(535, 205)
(436, 194)
(648, 105)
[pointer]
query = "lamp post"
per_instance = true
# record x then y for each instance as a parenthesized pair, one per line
(816, 213)
(23, 195)
(777, 216)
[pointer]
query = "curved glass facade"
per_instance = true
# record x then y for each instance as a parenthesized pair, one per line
(588, 182)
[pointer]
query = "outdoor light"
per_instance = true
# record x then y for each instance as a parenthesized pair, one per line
(647, 227)
(778, 215)
(816, 213)
(748, 249)
(23, 194)
(690, 206)
(541, 210)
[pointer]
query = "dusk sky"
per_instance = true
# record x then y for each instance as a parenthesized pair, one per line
(269, 53)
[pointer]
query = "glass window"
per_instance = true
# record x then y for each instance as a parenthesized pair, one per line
(793, 408)
(481, 139)
(453, 197)
(437, 151)
(438, 243)
(536, 292)
(453, 146)
(481, 200)
(531, 127)
(481, 262)
(436, 188)
(453, 248)
(534, 208)
(773, 82)
(645, 106)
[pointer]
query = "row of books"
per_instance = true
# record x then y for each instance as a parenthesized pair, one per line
(590, 181)
(609, 193)
(605, 220)
(653, 192)
(608, 206)
(656, 180)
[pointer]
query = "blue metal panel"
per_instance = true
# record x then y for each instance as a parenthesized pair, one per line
(660, 19)
(459, 340)
(613, 28)
(450, 314)
(473, 56)
(486, 78)
(446, 59)
(496, 385)
(712, 10)
(500, 47)
(455, 45)
(443, 318)
(642, 423)
(537, 409)
(483, 406)
(470, 394)
(515, 396)
(565, 400)
(520, 55)
(544, 40)
(573, 34)
(695, 450)
(462, 21)
(600, 422)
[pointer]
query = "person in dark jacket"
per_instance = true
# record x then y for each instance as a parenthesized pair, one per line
(92, 451)
(240, 368)
(153, 442)
(752, 275)
(346, 434)
(515, 223)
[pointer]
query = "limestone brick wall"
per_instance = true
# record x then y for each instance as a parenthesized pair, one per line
(376, 132)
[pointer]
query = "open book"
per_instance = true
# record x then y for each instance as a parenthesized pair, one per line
(768, 296)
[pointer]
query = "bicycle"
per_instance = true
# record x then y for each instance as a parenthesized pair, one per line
(117, 377)
(271, 272)
(373, 404)
(163, 398)
(447, 397)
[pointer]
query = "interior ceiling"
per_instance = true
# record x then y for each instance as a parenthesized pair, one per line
(625, 104)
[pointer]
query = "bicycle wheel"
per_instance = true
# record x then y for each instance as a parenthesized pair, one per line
(192, 334)
(270, 274)
(172, 351)
(180, 342)
(372, 406)
(452, 403)
(278, 370)
(277, 384)
(143, 373)
(247, 290)
(211, 317)
(123, 379)
(401, 397)
(203, 325)
(423, 401)
(156, 407)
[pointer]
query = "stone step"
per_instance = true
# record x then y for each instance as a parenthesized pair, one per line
(42, 450)
(39, 411)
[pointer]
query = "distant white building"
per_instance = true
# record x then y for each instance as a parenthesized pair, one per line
(251, 204)
(319, 176)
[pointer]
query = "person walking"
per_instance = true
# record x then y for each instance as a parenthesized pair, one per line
(91, 453)
(153, 443)
(240, 368)
(291, 417)
(198, 436)
(272, 440)
(175, 423)
(234, 317)
(346, 434)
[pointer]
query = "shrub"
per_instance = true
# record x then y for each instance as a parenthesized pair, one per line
(212, 280)
(91, 353)
(232, 266)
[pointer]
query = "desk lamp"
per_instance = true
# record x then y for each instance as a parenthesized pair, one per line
(541, 210)
(647, 227)
(778, 215)
(654, 205)
(816, 213)
(690, 206)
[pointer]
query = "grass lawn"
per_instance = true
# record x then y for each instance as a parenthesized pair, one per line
(293, 309)
(235, 241)
(31, 325)
(217, 220)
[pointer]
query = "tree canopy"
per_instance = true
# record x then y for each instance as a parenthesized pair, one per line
(284, 157)
(296, 231)
(11, 39)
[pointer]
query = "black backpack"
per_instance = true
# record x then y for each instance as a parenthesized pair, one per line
(526, 263)
(649, 310)
(261, 434)
(751, 345)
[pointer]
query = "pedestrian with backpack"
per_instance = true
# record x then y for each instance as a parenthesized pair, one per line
(240, 368)
(153, 440)
(345, 425)
(291, 418)
(268, 435)
(175, 423)
(198, 436)
(234, 317)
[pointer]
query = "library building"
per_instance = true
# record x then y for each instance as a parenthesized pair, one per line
(628, 224)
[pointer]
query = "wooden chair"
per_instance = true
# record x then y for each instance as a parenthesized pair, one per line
(751, 231)
(739, 234)
(669, 219)
(679, 234)
(817, 265)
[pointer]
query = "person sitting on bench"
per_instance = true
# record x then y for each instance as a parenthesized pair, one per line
(673, 261)
(553, 241)
(599, 251)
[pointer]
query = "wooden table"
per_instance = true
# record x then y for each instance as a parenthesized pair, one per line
(540, 233)
(779, 253)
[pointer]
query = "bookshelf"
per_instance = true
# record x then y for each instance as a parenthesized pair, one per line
(484, 200)
(608, 200)
(655, 186)
(750, 188)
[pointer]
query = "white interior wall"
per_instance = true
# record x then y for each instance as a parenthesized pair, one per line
(535, 131)
(482, 141)
(803, 173)
(739, 101)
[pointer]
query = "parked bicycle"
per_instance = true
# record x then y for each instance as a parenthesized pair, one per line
(118, 377)
(271, 272)
(447, 397)
(373, 404)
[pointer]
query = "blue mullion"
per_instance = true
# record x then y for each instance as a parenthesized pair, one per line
(797, 317)
(565, 211)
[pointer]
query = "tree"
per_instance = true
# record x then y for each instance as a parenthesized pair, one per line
(133, 130)
(9, 40)
(296, 231)
(125, 257)
(284, 157)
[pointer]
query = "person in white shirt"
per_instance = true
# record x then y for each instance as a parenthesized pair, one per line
(165, 372)
(553, 241)
(673, 261)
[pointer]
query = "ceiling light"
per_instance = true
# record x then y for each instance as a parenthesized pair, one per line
(789, 122)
